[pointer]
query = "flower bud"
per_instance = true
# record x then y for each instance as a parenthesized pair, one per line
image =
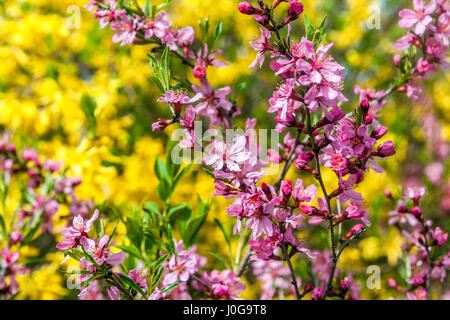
(286, 188)
(416, 212)
(246, 8)
(368, 119)
(379, 132)
(357, 228)
(295, 10)
(317, 294)
(303, 165)
(386, 149)
(387, 193)
(308, 210)
(397, 59)
(308, 288)
(392, 283)
(364, 105)
(161, 124)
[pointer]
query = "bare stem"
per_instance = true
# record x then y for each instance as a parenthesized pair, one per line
(291, 269)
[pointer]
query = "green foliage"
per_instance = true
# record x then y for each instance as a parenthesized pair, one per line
(88, 106)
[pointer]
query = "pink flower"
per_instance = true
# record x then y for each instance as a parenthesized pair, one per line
(405, 42)
(261, 45)
(140, 277)
(420, 16)
(439, 236)
(178, 98)
(78, 231)
(221, 154)
(222, 284)
(127, 30)
(9, 258)
(113, 293)
(421, 294)
(155, 27)
(304, 195)
(317, 294)
(100, 251)
(182, 265)
(213, 102)
(105, 16)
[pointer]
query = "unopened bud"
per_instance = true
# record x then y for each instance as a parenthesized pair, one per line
(246, 8)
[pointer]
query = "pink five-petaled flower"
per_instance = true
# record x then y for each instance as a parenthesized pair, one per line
(100, 251)
(223, 155)
(439, 236)
(105, 16)
(302, 194)
(177, 99)
(140, 277)
(420, 16)
(262, 45)
(75, 233)
(9, 258)
(127, 30)
(155, 27)
(212, 101)
(181, 265)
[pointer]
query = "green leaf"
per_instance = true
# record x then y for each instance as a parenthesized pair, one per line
(130, 250)
(171, 287)
(219, 256)
(156, 278)
(131, 284)
(88, 106)
(227, 238)
(161, 170)
(29, 236)
(90, 279)
(99, 228)
(165, 67)
(159, 262)
(112, 233)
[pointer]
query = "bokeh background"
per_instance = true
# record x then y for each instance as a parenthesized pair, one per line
(47, 65)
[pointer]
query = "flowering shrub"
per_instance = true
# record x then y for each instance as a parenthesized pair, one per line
(283, 226)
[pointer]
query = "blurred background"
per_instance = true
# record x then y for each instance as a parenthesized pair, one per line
(53, 54)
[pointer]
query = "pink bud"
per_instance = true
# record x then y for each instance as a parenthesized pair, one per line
(317, 294)
(386, 149)
(246, 8)
(368, 119)
(416, 212)
(354, 230)
(295, 9)
(397, 59)
(364, 104)
(379, 132)
(286, 187)
(392, 283)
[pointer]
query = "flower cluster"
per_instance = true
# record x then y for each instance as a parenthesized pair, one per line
(426, 259)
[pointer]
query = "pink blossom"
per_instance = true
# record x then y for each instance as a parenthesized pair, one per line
(74, 234)
(261, 45)
(155, 27)
(302, 194)
(127, 30)
(100, 251)
(420, 16)
(439, 236)
(212, 101)
(223, 155)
